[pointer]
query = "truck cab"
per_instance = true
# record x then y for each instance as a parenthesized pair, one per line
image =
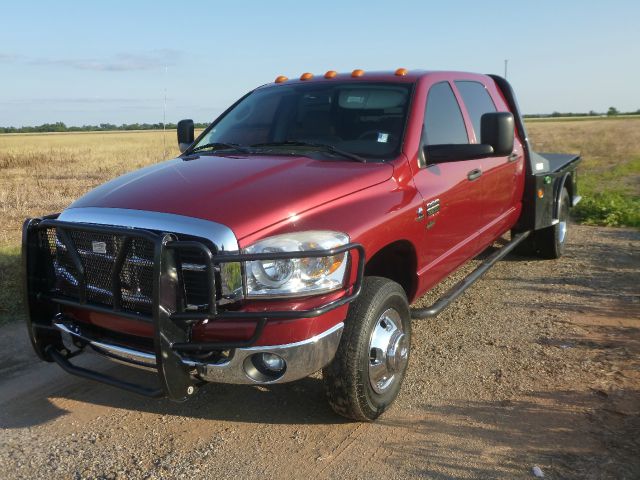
(293, 234)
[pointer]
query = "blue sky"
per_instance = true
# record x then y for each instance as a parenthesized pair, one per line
(84, 62)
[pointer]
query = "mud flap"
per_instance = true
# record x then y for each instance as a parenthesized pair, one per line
(174, 375)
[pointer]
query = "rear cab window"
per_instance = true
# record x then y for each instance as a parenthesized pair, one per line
(477, 100)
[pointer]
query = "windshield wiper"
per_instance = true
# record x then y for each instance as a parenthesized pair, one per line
(219, 146)
(320, 146)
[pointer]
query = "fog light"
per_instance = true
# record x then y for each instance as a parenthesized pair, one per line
(264, 367)
(273, 362)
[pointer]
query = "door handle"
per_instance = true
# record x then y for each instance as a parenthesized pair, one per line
(513, 157)
(474, 174)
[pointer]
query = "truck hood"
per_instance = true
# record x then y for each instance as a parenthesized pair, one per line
(246, 193)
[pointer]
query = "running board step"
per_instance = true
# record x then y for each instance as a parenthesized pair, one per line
(457, 290)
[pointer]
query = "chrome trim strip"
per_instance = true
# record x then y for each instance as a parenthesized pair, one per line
(221, 235)
(302, 358)
(193, 267)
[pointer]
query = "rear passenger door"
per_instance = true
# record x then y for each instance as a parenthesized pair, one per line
(499, 174)
(451, 190)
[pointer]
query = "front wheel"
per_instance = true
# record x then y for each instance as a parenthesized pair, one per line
(365, 376)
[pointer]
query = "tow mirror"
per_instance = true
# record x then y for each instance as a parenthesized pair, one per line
(185, 134)
(496, 129)
(456, 152)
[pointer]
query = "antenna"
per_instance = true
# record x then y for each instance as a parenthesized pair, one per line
(164, 116)
(506, 62)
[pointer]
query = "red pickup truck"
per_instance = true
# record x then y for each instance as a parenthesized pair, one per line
(294, 233)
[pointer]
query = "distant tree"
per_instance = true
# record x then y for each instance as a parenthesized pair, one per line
(61, 127)
(613, 111)
(593, 113)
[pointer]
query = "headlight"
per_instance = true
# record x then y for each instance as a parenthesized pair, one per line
(299, 276)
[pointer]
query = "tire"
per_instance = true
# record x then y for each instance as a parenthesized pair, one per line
(550, 242)
(366, 373)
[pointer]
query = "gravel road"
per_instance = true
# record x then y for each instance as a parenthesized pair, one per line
(538, 364)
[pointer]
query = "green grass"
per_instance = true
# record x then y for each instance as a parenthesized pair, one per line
(609, 209)
(610, 196)
(11, 304)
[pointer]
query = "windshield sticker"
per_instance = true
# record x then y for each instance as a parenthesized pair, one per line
(383, 137)
(354, 99)
(540, 166)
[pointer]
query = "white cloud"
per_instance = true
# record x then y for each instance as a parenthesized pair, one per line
(122, 62)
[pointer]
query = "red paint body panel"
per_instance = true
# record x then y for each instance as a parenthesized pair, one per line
(375, 203)
(245, 193)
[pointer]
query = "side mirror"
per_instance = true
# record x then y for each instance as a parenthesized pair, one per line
(456, 152)
(496, 129)
(185, 134)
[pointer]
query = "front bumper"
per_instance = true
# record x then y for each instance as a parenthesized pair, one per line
(173, 348)
(301, 358)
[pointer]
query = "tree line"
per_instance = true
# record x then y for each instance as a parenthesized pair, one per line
(612, 112)
(62, 127)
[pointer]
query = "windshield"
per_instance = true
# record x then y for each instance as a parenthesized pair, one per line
(365, 119)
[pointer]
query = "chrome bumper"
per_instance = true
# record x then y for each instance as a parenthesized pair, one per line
(302, 358)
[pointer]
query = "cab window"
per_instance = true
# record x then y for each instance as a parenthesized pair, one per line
(477, 100)
(443, 122)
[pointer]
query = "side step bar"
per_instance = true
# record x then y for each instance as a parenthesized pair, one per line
(68, 367)
(457, 290)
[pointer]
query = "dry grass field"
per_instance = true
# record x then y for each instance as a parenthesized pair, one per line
(43, 173)
(609, 176)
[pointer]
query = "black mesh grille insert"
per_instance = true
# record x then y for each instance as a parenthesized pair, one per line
(194, 277)
(97, 253)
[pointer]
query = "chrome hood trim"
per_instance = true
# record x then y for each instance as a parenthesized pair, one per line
(221, 235)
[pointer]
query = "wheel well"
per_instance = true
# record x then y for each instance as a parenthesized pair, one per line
(397, 262)
(566, 183)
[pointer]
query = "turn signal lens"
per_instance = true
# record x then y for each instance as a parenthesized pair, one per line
(281, 78)
(357, 73)
(540, 193)
(401, 72)
(306, 76)
(330, 74)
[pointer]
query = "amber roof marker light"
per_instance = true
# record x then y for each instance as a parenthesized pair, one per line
(401, 72)
(330, 74)
(357, 73)
(306, 76)
(281, 79)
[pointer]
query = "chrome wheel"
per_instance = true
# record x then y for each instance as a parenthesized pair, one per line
(388, 351)
(563, 219)
(562, 230)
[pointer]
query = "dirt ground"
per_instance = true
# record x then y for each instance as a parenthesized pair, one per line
(538, 364)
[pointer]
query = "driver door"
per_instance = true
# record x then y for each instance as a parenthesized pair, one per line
(451, 191)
